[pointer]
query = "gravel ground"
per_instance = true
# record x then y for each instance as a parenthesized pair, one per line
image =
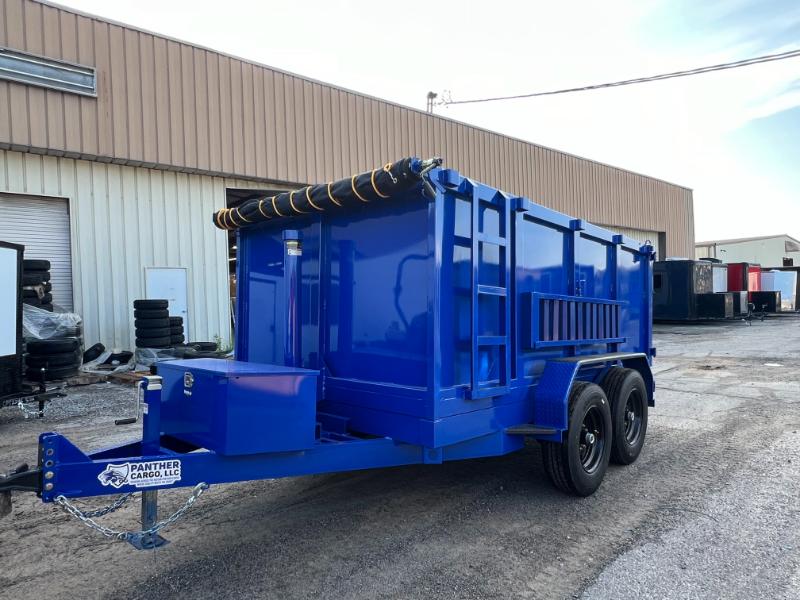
(710, 509)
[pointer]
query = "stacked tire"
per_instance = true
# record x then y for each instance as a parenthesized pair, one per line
(176, 337)
(36, 286)
(152, 323)
(48, 360)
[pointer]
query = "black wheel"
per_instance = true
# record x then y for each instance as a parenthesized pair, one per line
(46, 299)
(627, 395)
(151, 313)
(162, 342)
(30, 294)
(51, 374)
(151, 323)
(578, 464)
(151, 304)
(34, 264)
(48, 307)
(152, 333)
(32, 302)
(176, 330)
(35, 277)
(176, 339)
(61, 359)
(43, 347)
(92, 352)
(176, 321)
(48, 287)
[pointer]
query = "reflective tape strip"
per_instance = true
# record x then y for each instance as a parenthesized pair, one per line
(308, 197)
(275, 208)
(375, 187)
(291, 203)
(241, 216)
(260, 202)
(334, 200)
(355, 191)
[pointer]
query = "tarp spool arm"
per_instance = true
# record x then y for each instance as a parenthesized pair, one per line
(377, 185)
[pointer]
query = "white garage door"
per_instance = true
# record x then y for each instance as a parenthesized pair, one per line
(42, 226)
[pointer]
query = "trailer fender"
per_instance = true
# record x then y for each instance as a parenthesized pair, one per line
(551, 398)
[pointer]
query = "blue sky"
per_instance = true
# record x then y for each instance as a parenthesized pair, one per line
(734, 137)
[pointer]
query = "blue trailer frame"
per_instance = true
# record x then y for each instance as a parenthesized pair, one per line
(517, 303)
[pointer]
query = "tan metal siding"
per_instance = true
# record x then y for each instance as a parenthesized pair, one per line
(173, 105)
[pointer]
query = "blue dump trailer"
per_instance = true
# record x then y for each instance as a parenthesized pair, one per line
(402, 316)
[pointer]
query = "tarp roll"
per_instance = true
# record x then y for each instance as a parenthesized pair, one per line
(378, 185)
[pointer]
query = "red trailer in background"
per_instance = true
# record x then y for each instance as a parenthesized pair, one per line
(753, 280)
(744, 277)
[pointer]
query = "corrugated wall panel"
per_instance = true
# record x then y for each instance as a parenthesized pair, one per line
(123, 219)
(173, 105)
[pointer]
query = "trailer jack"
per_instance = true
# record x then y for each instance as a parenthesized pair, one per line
(21, 479)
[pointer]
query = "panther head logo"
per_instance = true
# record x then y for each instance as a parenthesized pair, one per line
(115, 475)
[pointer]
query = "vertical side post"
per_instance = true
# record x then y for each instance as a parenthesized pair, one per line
(291, 274)
(151, 444)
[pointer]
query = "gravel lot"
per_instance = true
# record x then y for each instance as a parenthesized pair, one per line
(710, 510)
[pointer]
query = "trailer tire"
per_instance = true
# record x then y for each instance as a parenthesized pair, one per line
(45, 347)
(151, 304)
(578, 464)
(152, 333)
(151, 323)
(35, 264)
(627, 396)
(62, 359)
(35, 277)
(151, 313)
(162, 342)
(93, 352)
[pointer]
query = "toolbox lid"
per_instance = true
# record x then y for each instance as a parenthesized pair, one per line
(233, 368)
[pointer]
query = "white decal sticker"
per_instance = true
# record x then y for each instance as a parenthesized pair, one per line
(294, 251)
(144, 474)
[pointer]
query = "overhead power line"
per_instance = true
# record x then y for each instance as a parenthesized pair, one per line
(675, 74)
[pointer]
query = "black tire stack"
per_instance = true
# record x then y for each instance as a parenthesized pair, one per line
(152, 323)
(60, 358)
(36, 286)
(176, 337)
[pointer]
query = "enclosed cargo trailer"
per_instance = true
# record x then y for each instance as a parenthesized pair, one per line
(404, 315)
(10, 318)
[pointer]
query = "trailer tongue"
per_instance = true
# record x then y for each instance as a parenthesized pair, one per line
(406, 315)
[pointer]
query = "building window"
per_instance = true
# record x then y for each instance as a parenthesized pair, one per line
(30, 69)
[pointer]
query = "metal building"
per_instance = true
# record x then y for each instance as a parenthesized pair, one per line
(116, 144)
(780, 250)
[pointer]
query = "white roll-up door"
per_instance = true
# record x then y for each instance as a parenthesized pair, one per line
(42, 226)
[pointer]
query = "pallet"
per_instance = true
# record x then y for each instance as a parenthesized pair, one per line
(131, 378)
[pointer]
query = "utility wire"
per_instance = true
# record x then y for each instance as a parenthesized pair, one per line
(697, 71)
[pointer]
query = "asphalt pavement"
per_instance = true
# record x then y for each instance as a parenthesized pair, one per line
(710, 509)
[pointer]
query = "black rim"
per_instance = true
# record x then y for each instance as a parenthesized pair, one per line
(592, 440)
(632, 418)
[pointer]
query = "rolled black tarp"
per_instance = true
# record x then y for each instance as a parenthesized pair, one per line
(377, 185)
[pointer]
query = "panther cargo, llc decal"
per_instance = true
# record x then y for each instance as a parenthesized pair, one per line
(142, 474)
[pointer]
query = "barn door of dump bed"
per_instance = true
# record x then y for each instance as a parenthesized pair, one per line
(491, 297)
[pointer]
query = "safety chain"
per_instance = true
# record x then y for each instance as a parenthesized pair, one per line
(115, 505)
(86, 517)
(28, 412)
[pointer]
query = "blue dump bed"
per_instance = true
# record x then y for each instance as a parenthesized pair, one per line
(431, 315)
